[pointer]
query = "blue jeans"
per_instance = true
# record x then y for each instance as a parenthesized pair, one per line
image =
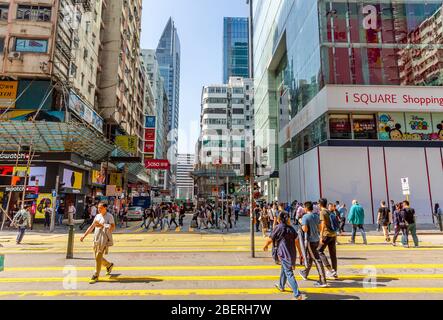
(287, 275)
(59, 219)
(361, 228)
(21, 234)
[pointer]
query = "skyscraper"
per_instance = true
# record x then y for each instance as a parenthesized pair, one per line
(235, 48)
(168, 55)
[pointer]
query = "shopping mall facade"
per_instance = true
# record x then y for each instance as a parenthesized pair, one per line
(349, 101)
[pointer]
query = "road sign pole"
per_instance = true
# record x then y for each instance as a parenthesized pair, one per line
(54, 204)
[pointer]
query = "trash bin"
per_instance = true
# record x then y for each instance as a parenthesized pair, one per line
(2, 262)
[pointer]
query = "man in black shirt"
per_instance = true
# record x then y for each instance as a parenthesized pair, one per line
(409, 215)
(384, 219)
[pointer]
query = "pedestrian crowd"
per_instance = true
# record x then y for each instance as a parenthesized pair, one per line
(311, 228)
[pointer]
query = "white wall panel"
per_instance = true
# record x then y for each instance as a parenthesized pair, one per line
(436, 174)
(409, 162)
(312, 183)
(379, 191)
(345, 176)
(283, 194)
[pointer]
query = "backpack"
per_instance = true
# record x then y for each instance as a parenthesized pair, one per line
(409, 215)
(334, 223)
(21, 219)
(402, 223)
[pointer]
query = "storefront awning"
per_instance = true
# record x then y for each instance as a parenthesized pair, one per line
(54, 137)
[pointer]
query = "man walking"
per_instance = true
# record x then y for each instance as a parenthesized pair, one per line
(343, 211)
(22, 220)
(410, 218)
(284, 235)
(384, 219)
(103, 226)
(60, 214)
(328, 240)
(311, 228)
(357, 219)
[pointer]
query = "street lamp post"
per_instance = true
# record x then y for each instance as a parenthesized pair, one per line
(252, 171)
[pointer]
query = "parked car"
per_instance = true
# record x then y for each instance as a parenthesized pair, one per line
(135, 213)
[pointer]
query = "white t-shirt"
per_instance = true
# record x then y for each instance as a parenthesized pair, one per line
(104, 220)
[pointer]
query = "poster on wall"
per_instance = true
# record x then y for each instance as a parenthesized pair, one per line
(116, 179)
(391, 126)
(85, 112)
(418, 127)
(72, 179)
(37, 177)
(44, 200)
(28, 115)
(437, 121)
(98, 177)
(8, 94)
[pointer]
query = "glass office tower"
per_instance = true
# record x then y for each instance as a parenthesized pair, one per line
(349, 100)
(168, 55)
(235, 48)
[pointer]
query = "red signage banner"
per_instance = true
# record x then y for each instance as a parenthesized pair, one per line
(149, 146)
(157, 164)
(150, 134)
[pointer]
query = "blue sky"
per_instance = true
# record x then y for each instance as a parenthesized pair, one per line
(200, 28)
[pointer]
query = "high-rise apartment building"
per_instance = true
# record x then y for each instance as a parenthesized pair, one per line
(185, 182)
(350, 92)
(121, 84)
(61, 68)
(235, 48)
(226, 120)
(168, 57)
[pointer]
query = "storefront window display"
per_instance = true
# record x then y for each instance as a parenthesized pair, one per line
(364, 127)
(340, 126)
(410, 126)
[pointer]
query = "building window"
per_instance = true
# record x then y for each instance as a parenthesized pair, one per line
(73, 70)
(31, 45)
(83, 79)
(364, 127)
(340, 126)
(34, 13)
(4, 11)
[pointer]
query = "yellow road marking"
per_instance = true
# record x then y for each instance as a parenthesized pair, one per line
(215, 292)
(195, 250)
(218, 268)
(155, 278)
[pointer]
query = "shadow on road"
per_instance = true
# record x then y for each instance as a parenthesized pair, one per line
(118, 278)
(325, 296)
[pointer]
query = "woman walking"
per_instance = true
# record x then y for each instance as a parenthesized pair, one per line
(103, 226)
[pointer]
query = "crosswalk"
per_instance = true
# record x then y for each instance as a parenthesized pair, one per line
(221, 281)
(212, 266)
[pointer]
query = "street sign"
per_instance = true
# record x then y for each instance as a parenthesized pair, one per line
(54, 194)
(405, 186)
(157, 164)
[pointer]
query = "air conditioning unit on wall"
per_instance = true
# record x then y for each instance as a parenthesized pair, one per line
(14, 55)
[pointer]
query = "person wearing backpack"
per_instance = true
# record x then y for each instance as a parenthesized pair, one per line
(284, 236)
(400, 224)
(22, 220)
(328, 235)
(357, 219)
(411, 222)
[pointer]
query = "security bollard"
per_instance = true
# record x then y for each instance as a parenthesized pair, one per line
(70, 253)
